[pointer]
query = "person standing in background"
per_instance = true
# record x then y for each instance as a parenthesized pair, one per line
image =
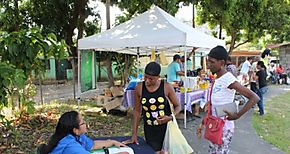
(261, 80)
(189, 64)
(174, 71)
(245, 70)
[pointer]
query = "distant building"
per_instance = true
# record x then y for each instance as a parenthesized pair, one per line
(284, 53)
(239, 56)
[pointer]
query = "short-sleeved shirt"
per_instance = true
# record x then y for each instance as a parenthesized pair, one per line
(262, 75)
(221, 94)
(172, 69)
(254, 66)
(71, 144)
(245, 67)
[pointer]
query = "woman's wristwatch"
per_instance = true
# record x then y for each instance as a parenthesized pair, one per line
(106, 150)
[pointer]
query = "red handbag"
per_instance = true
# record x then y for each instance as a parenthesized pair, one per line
(214, 126)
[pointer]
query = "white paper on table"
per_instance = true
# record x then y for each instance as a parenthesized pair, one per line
(115, 150)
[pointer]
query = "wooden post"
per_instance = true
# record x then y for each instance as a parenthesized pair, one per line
(40, 86)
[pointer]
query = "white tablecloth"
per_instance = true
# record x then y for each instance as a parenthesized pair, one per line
(198, 96)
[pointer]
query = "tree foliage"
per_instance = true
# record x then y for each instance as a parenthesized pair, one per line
(20, 53)
(246, 20)
(23, 49)
(277, 19)
(10, 77)
(11, 17)
(61, 17)
(134, 7)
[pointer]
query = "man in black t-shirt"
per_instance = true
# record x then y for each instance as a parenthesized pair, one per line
(151, 100)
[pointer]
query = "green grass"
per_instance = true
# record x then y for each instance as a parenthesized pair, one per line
(31, 130)
(274, 126)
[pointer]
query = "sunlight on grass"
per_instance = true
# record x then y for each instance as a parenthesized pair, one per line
(274, 126)
(31, 130)
(99, 124)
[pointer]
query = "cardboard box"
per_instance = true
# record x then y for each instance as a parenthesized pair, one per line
(113, 103)
(108, 92)
(101, 100)
(93, 111)
(117, 91)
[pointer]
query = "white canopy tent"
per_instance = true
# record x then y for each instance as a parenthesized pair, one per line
(154, 29)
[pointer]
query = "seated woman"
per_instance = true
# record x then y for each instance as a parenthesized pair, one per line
(69, 137)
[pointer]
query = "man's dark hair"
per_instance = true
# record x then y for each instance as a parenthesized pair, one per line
(153, 69)
(175, 57)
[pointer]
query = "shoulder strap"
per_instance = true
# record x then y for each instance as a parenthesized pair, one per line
(209, 104)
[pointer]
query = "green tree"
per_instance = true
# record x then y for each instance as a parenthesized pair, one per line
(10, 78)
(134, 7)
(20, 52)
(244, 20)
(125, 66)
(11, 17)
(277, 20)
(60, 17)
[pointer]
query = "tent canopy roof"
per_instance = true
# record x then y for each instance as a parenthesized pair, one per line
(153, 29)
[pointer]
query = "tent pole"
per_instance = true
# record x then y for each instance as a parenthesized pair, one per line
(93, 70)
(79, 78)
(138, 60)
(185, 85)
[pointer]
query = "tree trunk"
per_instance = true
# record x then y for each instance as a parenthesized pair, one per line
(108, 60)
(81, 25)
(109, 71)
(79, 6)
(16, 26)
(193, 16)
(108, 4)
(220, 31)
(233, 40)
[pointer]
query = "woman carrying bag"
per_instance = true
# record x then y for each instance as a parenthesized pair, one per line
(223, 90)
